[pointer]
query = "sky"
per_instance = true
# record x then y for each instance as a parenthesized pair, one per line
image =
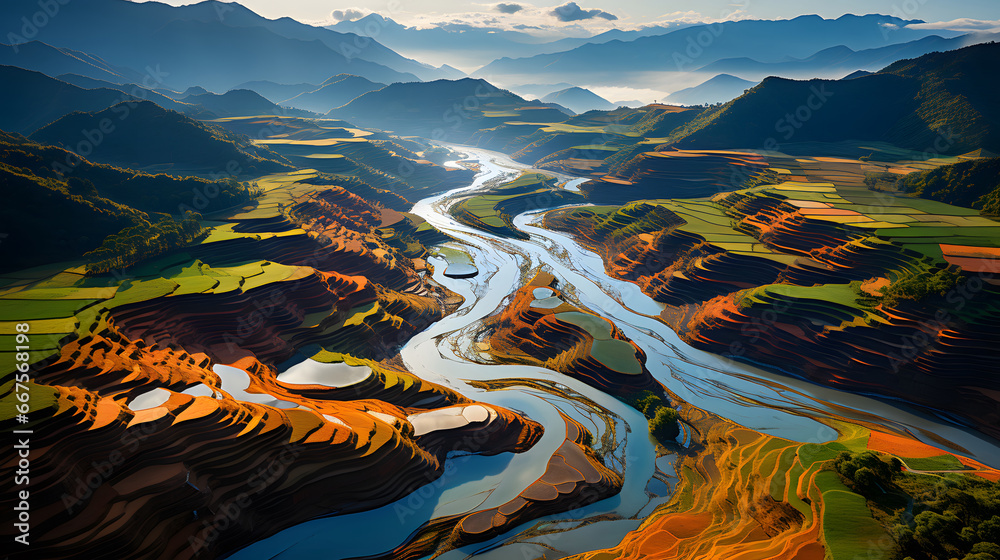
(589, 16)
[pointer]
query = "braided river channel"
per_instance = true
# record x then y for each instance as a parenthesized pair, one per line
(446, 353)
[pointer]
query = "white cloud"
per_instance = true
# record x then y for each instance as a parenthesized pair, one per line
(966, 25)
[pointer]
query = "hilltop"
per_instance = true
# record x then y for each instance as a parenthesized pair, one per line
(143, 134)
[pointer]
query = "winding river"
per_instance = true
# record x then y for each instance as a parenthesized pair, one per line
(780, 405)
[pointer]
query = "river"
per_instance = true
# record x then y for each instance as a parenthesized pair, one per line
(779, 405)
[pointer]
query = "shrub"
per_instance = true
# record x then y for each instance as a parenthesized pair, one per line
(664, 425)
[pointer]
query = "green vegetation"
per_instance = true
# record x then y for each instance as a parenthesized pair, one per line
(90, 203)
(662, 418)
(972, 184)
(881, 181)
(939, 100)
(931, 516)
(152, 135)
(142, 241)
(495, 209)
(370, 191)
(916, 286)
(142, 191)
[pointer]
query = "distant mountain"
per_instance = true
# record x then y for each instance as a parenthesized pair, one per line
(578, 100)
(37, 99)
(40, 57)
(211, 43)
(835, 61)
(451, 73)
(941, 103)
(449, 110)
(719, 89)
(471, 47)
(857, 74)
(687, 49)
(140, 93)
(338, 90)
(146, 135)
(196, 102)
(538, 90)
(193, 90)
(276, 92)
(239, 103)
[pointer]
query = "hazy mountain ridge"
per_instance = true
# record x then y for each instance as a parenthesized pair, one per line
(209, 43)
(143, 135)
(720, 88)
(334, 92)
(682, 50)
(942, 102)
(578, 100)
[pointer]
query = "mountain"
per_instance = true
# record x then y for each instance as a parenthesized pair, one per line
(40, 57)
(451, 73)
(443, 109)
(140, 93)
(38, 99)
(238, 103)
(195, 102)
(210, 43)
(719, 89)
(838, 60)
(972, 184)
(85, 202)
(694, 47)
(147, 135)
(940, 103)
(193, 90)
(578, 100)
(336, 91)
(276, 92)
(469, 46)
(538, 90)
(857, 74)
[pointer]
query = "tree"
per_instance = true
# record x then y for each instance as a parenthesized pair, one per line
(664, 425)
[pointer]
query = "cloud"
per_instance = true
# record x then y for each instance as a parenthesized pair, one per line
(965, 25)
(523, 26)
(572, 12)
(508, 8)
(350, 14)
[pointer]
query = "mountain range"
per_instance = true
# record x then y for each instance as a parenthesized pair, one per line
(143, 135)
(578, 100)
(695, 47)
(334, 92)
(471, 47)
(718, 89)
(448, 110)
(839, 60)
(212, 44)
(940, 103)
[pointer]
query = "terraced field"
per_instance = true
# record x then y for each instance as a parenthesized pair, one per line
(540, 327)
(338, 148)
(493, 210)
(818, 276)
(178, 358)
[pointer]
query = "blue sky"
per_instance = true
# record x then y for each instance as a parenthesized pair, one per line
(598, 15)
